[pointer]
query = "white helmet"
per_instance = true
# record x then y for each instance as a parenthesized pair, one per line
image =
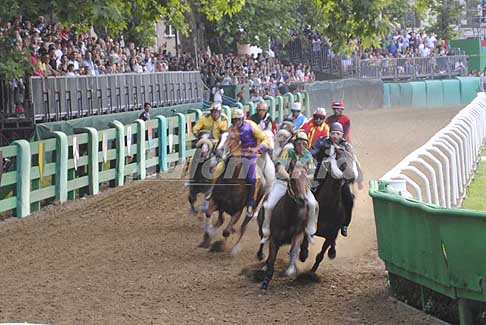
(296, 107)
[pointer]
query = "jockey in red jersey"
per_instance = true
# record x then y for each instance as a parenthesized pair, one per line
(338, 116)
(315, 128)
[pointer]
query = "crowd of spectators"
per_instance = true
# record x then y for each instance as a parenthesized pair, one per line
(265, 74)
(55, 50)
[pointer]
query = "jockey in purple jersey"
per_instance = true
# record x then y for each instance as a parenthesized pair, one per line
(252, 140)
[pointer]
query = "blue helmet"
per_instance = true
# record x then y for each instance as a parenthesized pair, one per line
(336, 126)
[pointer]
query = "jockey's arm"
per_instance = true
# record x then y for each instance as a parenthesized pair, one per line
(198, 126)
(282, 172)
(261, 137)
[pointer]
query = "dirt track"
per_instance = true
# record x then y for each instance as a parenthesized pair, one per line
(129, 256)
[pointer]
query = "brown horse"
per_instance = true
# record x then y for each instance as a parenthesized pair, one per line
(200, 170)
(332, 207)
(287, 226)
(230, 193)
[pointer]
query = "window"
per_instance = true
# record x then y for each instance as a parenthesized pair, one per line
(169, 31)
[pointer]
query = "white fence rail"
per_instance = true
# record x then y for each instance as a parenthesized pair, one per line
(440, 171)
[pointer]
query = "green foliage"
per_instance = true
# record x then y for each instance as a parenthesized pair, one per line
(13, 62)
(350, 24)
(446, 15)
(258, 21)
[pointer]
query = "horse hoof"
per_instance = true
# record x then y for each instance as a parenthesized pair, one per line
(265, 284)
(304, 253)
(260, 256)
(236, 250)
(290, 272)
(226, 233)
(206, 241)
(331, 253)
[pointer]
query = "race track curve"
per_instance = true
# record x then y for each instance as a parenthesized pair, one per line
(130, 256)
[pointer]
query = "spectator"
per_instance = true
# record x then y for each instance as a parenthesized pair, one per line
(146, 112)
(217, 92)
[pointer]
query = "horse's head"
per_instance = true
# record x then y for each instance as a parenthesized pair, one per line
(343, 164)
(299, 184)
(205, 146)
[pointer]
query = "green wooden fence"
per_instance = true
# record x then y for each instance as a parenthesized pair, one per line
(104, 157)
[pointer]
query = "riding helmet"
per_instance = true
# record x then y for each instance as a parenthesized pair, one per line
(336, 126)
(320, 111)
(216, 107)
(301, 135)
(237, 113)
(296, 107)
(337, 105)
(262, 106)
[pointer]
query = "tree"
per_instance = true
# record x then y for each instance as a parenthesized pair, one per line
(445, 17)
(134, 18)
(257, 23)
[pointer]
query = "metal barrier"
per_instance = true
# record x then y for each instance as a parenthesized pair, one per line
(342, 66)
(57, 168)
(56, 98)
(440, 171)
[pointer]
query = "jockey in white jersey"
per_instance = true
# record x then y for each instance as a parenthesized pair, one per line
(299, 154)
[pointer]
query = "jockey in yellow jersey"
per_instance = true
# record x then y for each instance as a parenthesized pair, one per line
(215, 122)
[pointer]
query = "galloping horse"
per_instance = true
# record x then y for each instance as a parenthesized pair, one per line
(332, 207)
(200, 170)
(287, 226)
(231, 190)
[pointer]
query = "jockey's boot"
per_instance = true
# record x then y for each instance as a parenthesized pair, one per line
(208, 194)
(344, 231)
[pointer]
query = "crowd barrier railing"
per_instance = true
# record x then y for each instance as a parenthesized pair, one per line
(439, 171)
(64, 167)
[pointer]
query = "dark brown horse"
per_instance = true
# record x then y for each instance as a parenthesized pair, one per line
(200, 170)
(332, 207)
(230, 193)
(287, 226)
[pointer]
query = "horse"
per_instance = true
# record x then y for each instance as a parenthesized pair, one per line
(332, 207)
(200, 170)
(287, 226)
(230, 192)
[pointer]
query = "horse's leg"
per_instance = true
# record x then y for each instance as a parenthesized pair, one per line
(260, 255)
(207, 225)
(320, 256)
(192, 199)
(220, 220)
(272, 256)
(304, 250)
(230, 227)
(294, 249)
(236, 249)
(331, 253)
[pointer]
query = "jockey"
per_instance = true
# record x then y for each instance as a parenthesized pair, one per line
(338, 116)
(297, 117)
(252, 140)
(282, 142)
(315, 127)
(288, 125)
(215, 122)
(262, 118)
(321, 151)
(299, 153)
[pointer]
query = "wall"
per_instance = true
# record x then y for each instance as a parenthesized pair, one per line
(431, 93)
(472, 47)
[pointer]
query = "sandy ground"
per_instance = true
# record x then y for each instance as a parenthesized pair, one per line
(130, 256)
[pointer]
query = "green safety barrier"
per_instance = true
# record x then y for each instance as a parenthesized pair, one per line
(435, 93)
(419, 94)
(406, 93)
(452, 92)
(436, 248)
(469, 88)
(394, 95)
(104, 156)
(386, 95)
